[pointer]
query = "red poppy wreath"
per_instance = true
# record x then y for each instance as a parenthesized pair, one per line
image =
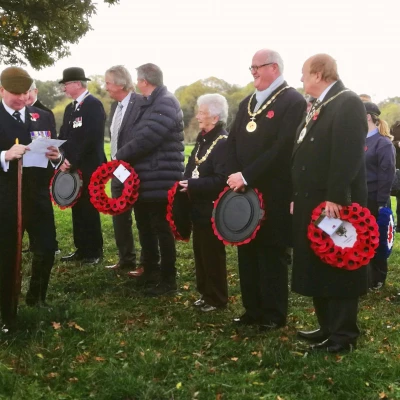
(362, 247)
(98, 196)
(178, 213)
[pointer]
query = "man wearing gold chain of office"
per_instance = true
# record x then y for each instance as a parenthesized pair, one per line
(259, 152)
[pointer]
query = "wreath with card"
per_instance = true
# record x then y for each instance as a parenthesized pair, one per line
(352, 245)
(97, 187)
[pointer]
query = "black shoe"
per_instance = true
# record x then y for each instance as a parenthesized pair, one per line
(90, 260)
(147, 279)
(75, 256)
(244, 319)
(316, 336)
(269, 327)
(330, 346)
(162, 288)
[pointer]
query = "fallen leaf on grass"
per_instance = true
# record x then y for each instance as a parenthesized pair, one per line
(234, 358)
(73, 379)
(73, 324)
(186, 287)
(40, 356)
(99, 358)
(179, 385)
(279, 398)
(52, 375)
(283, 338)
(218, 396)
(330, 380)
(382, 395)
(56, 325)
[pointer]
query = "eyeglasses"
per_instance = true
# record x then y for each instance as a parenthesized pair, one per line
(255, 67)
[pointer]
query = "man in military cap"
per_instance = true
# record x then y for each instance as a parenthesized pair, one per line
(18, 121)
(83, 128)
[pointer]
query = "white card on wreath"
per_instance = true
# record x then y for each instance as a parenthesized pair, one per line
(121, 173)
(328, 225)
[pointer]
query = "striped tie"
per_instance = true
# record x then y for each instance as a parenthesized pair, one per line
(17, 116)
(116, 124)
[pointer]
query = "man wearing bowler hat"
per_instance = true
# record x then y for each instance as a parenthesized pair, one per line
(21, 122)
(83, 128)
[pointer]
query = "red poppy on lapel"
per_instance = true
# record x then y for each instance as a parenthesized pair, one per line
(366, 148)
(270, 114)
(34, 116)
(315, 116)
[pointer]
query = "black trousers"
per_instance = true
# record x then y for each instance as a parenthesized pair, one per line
(122, 224)
(156, 238)
(88, 238)
(264, 281)
(38, 220)
(210, 263)
(337, 318)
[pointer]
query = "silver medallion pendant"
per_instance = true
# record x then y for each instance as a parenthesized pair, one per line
(302, 134)
(195, 173)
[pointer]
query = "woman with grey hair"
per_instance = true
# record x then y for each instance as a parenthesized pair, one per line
(205, 178)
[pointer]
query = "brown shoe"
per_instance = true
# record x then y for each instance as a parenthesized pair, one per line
(120, 265)
(136, 273)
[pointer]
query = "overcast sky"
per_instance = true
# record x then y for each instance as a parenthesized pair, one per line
(192, 40)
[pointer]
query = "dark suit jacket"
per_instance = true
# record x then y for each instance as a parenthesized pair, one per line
(328, 165)
(35, 180)
(84, 148)
(264, 157)
(40, 105)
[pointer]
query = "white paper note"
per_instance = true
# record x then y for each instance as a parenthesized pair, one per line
(121, 173)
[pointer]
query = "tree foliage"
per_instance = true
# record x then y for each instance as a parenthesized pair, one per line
(40, 31)
(390, 110)
(188, 95)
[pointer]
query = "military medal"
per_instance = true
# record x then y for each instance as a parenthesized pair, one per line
(251, 126)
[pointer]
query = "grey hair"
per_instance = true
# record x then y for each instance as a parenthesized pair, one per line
(274, 57)
(33, 86)
(150, 73)
(83, 83)
(217, 105)
(121, 77)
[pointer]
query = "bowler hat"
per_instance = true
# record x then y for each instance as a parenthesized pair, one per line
(15, 80)
(73, 74)
(372, 108)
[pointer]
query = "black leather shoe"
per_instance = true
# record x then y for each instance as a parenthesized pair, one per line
(269, 327)
(75, 256)
(244, 319)
(162, 289)
(330, 346)
(316, 336)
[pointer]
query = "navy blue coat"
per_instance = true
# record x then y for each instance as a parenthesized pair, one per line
(156, 149)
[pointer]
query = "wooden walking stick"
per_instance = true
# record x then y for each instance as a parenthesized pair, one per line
(17, 275)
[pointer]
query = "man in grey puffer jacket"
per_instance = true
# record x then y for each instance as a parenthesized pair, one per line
(156, 152)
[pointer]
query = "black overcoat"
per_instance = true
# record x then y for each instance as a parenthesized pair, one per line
(328, 165)
(205, 190)
(84, 148)
(264, 157)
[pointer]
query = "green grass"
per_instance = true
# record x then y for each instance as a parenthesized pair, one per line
(104, 340)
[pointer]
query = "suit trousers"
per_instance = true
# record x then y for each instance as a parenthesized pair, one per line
(88, 238)
(264, 281)
(210, 263)
(122, 224)
(337, 316)
(156, 238)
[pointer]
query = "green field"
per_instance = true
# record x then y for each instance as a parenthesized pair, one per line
(103, 340)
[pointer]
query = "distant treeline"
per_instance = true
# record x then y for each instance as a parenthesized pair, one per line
(51, 95)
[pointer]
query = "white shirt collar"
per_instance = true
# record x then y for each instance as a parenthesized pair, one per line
(11, 111)
(323, 94)
(125, 101)
(262, 95)
(81, 97)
